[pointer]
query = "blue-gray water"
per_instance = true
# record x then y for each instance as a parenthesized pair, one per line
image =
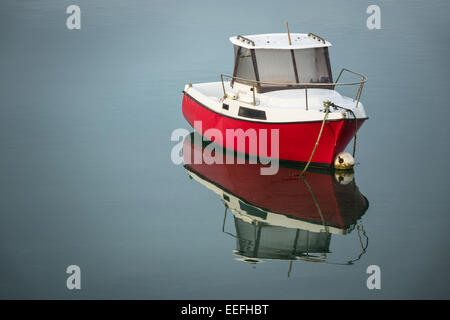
(86, 176)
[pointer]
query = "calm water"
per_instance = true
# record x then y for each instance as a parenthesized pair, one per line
(85, 170)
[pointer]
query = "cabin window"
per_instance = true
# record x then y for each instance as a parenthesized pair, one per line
(252, 113)
(313, 65)
(275, 66)
(251, 210)
(244, 67)
(278, 69)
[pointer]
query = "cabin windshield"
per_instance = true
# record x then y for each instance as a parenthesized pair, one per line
(277, 69)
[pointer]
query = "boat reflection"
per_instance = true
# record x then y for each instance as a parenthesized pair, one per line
(282, 216)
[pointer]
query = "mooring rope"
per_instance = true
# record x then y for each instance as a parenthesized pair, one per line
(326, 104)
(316, 203)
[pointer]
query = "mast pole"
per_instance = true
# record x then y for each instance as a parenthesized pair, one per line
(288, 33)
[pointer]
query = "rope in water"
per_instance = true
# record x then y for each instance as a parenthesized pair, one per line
(316, 203)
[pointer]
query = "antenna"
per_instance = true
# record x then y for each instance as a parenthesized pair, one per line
(288, 33)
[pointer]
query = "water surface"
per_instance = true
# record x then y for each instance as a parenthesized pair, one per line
(86, 176)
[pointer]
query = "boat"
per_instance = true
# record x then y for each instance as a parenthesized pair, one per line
(284, 216)
(280, 83)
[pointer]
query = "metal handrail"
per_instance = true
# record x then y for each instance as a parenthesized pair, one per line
(315, 36)
(255, 83)
(244, 39)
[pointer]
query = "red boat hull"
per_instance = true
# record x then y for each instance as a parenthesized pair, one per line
(296, 140)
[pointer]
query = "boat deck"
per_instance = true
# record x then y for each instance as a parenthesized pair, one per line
(280, 99)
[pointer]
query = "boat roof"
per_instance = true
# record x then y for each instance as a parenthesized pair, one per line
(280, 41)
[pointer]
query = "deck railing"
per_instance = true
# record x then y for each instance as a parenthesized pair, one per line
(302, 85)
